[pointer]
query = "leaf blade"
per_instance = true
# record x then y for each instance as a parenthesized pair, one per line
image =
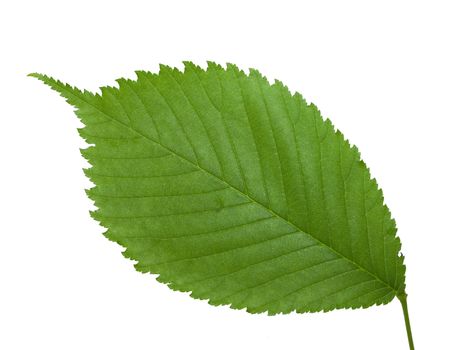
(234, 145)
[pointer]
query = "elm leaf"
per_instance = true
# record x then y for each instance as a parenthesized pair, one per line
(237, 191)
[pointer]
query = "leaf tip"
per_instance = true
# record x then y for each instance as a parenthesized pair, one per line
(34, 75)
(42, 77)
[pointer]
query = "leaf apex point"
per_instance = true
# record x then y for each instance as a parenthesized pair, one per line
(34, 75)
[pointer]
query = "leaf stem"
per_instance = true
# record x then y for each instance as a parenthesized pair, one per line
(403, 301)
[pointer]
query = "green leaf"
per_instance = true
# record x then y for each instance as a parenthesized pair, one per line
(237, 191)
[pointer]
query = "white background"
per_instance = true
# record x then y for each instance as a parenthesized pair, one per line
(389, 75)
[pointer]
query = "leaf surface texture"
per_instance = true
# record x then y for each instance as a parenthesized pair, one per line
(236, 190)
